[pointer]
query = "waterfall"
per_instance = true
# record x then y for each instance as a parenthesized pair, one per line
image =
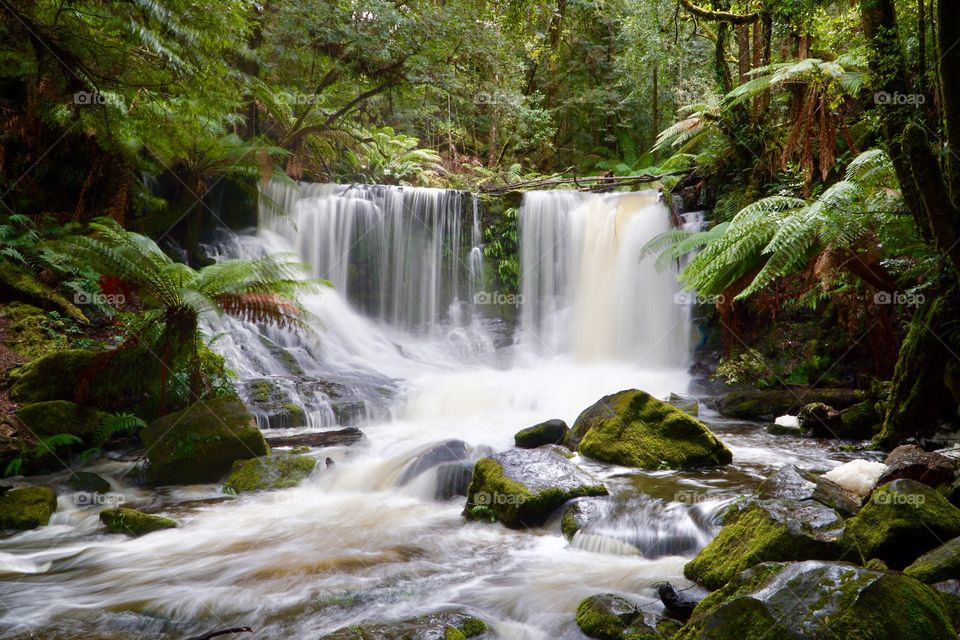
(585, 290)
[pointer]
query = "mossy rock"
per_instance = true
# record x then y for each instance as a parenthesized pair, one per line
(275, 471)
(523, 487)
(27, 508)
(943, 563)
(87, 482)
(18, 283)
(632, 428)
(448, 626)
(819, 601)
(611, 617)
(767, 404)
(902, 520)
(61, 416)
(580, 513)
(758, 531)
(201, 443)
(549, 432)
(134, 523)
(860, 421)
(25, 333)
(52, 377)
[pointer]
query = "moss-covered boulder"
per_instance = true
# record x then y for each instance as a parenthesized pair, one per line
(611, 617)
(87, 482)
(799, 484)
(435, 626)
(634, 429)
(860, 421)
(26, 334)
(902, 520)
(16, 283)
(275, 471)
(943, 563)
(819, 601)
(61, 416)
(52, 377)
(522, 487)
(757, 531)
(549, 432)
(27, 508)
(767, 404)
(134, 523)
(201, 443)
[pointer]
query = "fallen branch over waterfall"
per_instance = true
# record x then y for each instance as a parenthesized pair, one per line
(586, 183)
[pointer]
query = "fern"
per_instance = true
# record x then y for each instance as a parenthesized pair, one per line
(111, 425)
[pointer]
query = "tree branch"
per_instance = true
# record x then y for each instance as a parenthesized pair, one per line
(725, 16)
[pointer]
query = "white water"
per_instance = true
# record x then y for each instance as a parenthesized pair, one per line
(405, 335)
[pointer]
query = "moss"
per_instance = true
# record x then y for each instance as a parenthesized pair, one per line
(52, 377)
(452, 633)
(860, 421)
(942, 563)
(474, 627)
(278, 471)
(902, 520)
(201, 443)
(261, 391)
(284, 357)
(751, 535)
(598, 617)
(549, 432)
(27, 508)
(895, 606)
(296, 416)
(568, 524)
(632, 428)
(61, 416)
(27, 287)
(134, 523)
(25, 332)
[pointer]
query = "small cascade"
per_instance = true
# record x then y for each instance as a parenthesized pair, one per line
(585, 290)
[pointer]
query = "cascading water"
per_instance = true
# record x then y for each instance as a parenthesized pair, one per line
(401, 347)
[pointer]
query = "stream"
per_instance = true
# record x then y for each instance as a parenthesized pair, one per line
(413, 347)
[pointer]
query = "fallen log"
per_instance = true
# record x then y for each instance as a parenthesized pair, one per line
(586, 183)
(338, 438)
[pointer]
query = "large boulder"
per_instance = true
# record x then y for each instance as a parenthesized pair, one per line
(87, 482)
(943, 563)
(757, 531)
(435, 626)
(820, 601)
(549, 432)
(453, 479)
(799, 484)
(201, 443)
(910, 461)
(27, 508)
(634, 429)
(134, 523)
(522, 487)
(61, 416)
(52, 377)
(611, 617)
(902, 520)
(767, 404)
(274, 471)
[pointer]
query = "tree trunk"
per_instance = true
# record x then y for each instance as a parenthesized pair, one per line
(948, 49)
(743, 50)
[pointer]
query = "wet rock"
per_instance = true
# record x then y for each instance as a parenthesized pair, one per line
(522, 487)
(634, 429)
(453, 479)
(27, 508)
(902, 520)
(860, 421)
(580, 513)
(134, 523)
(821, 420)
(767, 404)
(272, 404)
(201, 443)
(767, 530)
(549, 432)
(611, 617)
(685, 403)
(434, 456)
(816, 600)
(943, 563)
(88, 482)
(434, 626)
(910, 461)
(274, 471)
(336, 438)
(798, 484)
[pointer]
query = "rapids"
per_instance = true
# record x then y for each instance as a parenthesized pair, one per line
(419, 354)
